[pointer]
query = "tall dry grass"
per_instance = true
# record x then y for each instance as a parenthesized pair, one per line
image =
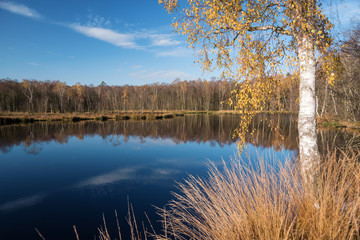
(262, 201)
(136, 233)
(243, 201)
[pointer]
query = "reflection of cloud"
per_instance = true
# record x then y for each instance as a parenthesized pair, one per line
(21, 203)
(185, 163)
(153, 141)
(164, 172)
(108, 178)
(19, 9)
(134, 173)
(160, 142)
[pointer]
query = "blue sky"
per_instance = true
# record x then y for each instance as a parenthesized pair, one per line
(116, 41)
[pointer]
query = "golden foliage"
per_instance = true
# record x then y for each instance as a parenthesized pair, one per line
(251, 40)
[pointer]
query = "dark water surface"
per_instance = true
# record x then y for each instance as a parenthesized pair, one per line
(56, 175)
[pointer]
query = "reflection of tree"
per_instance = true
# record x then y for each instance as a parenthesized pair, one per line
(277, 131)
(34, 148)
(60, 136)
(115, 140)
(5, 149)
(331, 138)
(31, 146)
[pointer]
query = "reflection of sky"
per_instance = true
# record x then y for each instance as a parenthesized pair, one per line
(267, 153)
(95, 161)
(95, 174)
(21, 203)
(152, 141)
(131, 173)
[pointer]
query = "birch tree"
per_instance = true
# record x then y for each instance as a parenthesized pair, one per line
(28, 89)
(60, 89)
(256, 39)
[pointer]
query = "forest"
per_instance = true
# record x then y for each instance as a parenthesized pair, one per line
(269, 149)
(339, 99)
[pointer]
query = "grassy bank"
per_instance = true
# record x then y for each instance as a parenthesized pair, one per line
(22, 117)
(18, 118)
(244, 201)
(331, 122)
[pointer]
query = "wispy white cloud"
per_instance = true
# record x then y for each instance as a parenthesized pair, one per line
(176, 52)
(20, 9)
(349, 11)
(163, 40)
(99, 28)
(162, 75)
(98, 21)
(124, 40)
(343, 13)
(33, 64)
(136, 66)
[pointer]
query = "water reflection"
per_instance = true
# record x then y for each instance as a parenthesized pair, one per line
(21, 203)
(276, 131)
(215, 129)
(130, 173)
(54, 175)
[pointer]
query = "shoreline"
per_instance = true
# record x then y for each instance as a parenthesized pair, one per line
(25, 118)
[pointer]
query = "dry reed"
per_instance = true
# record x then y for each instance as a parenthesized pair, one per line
(135, 233)
(245, 200)
(266, 202)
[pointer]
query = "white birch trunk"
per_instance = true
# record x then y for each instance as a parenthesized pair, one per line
(324, 102)
(309, 155)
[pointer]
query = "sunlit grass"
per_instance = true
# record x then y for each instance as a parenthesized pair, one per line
(266, 202)
(263, 201)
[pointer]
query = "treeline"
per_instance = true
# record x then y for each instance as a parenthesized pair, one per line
(56, 96)
(340, 99)
(343, 98)
(197, 95)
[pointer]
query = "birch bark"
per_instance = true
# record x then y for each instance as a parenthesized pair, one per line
(309, 155)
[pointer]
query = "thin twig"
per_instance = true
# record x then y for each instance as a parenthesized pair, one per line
(42, 237)
(76, 233)
(118, 225)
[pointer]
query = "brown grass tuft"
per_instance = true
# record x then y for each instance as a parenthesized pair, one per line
(267, 202)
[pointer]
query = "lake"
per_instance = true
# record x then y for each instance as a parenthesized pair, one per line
(56, 175)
